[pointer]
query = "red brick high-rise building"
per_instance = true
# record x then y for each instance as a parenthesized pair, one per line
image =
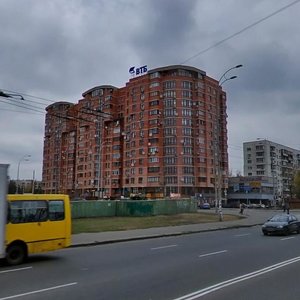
(163, 134)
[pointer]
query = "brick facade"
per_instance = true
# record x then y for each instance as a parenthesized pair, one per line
(156, 136)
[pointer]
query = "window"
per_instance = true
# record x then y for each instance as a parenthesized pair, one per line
(171, 170)
(153, 169)
(153, 179)
(184, 73)
(56, 210)
(170, 112)
(187, 112)
(170, 131)
(170, 160)
(187, 85)
(154, 94)
(154, 112)
(188, 180)
(170, 122)
(153, 131)
(170, 94)
(187, 131)
(170, 103)
(171, 179)
(169, 84)
(186, 103)
(153, 160)
(188, 170)
(186, 94)
(154, 75)
(154, 103)
(170, 150)
(188, 160)
(28, 211)
(154, 84)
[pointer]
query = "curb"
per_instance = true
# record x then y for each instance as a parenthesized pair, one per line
(121, 240)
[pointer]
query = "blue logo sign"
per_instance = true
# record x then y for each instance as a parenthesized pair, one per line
(138, 71)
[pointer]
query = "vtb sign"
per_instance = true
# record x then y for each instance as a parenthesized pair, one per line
(138, 71)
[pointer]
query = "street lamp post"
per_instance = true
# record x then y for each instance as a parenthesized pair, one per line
(218, 175)
(24, 158)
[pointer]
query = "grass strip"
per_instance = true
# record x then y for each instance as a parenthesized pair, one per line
(86, 225)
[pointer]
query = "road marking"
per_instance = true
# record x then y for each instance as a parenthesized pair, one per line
(39, 291)
(235, 280)
(245, 234)
(287, 238)
(163, 247)
(212, 253)
(15, 270)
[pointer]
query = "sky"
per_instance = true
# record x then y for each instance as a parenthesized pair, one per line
(54, 50)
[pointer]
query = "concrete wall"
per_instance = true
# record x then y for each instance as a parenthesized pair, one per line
(87, 209)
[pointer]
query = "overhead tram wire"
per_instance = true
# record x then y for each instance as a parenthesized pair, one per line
(241, 31)
(92, 112)
(31, 96)
(17, 103)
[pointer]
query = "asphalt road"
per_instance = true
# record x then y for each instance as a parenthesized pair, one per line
(212, 265)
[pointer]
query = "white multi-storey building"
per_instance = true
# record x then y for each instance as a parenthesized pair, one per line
(266, 158)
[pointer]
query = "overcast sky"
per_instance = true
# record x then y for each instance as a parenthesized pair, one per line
(58, 49)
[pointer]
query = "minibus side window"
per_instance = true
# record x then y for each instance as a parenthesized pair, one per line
(28, 211)
(56, 210)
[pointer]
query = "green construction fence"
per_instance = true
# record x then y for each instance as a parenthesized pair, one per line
(138, 208)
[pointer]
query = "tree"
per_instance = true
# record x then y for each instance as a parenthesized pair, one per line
(296, 185)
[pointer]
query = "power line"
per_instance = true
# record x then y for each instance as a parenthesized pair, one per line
(241, 31)
(19, 111)
(19, 104)
(27, 95)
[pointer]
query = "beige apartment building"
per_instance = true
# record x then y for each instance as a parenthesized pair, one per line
(278, 162)
(164, 134)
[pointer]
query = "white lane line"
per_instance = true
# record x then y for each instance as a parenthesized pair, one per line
(39, 291)
(164, 247)
(15, 270)
(287, 238)
(245, 234)
(235, 280)
(212, 253)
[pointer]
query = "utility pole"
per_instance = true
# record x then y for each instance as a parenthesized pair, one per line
(23, 158)
(217, 145)
(33, 180)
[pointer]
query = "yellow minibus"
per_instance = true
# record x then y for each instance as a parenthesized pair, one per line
(36, 223)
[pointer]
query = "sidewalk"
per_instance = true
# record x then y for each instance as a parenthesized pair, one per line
(251, 217)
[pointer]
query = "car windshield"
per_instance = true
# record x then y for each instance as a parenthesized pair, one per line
(279, 219)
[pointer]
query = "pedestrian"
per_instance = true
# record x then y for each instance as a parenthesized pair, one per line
(287, 207)
(242, 208)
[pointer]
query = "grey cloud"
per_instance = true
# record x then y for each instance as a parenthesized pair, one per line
(58, 49)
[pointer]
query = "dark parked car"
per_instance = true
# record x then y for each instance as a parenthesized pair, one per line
(281, 224)
(204, 205)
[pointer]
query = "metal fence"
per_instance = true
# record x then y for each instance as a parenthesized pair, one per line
(87, 209)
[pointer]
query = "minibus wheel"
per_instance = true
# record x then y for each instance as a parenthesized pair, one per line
(16, 254)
